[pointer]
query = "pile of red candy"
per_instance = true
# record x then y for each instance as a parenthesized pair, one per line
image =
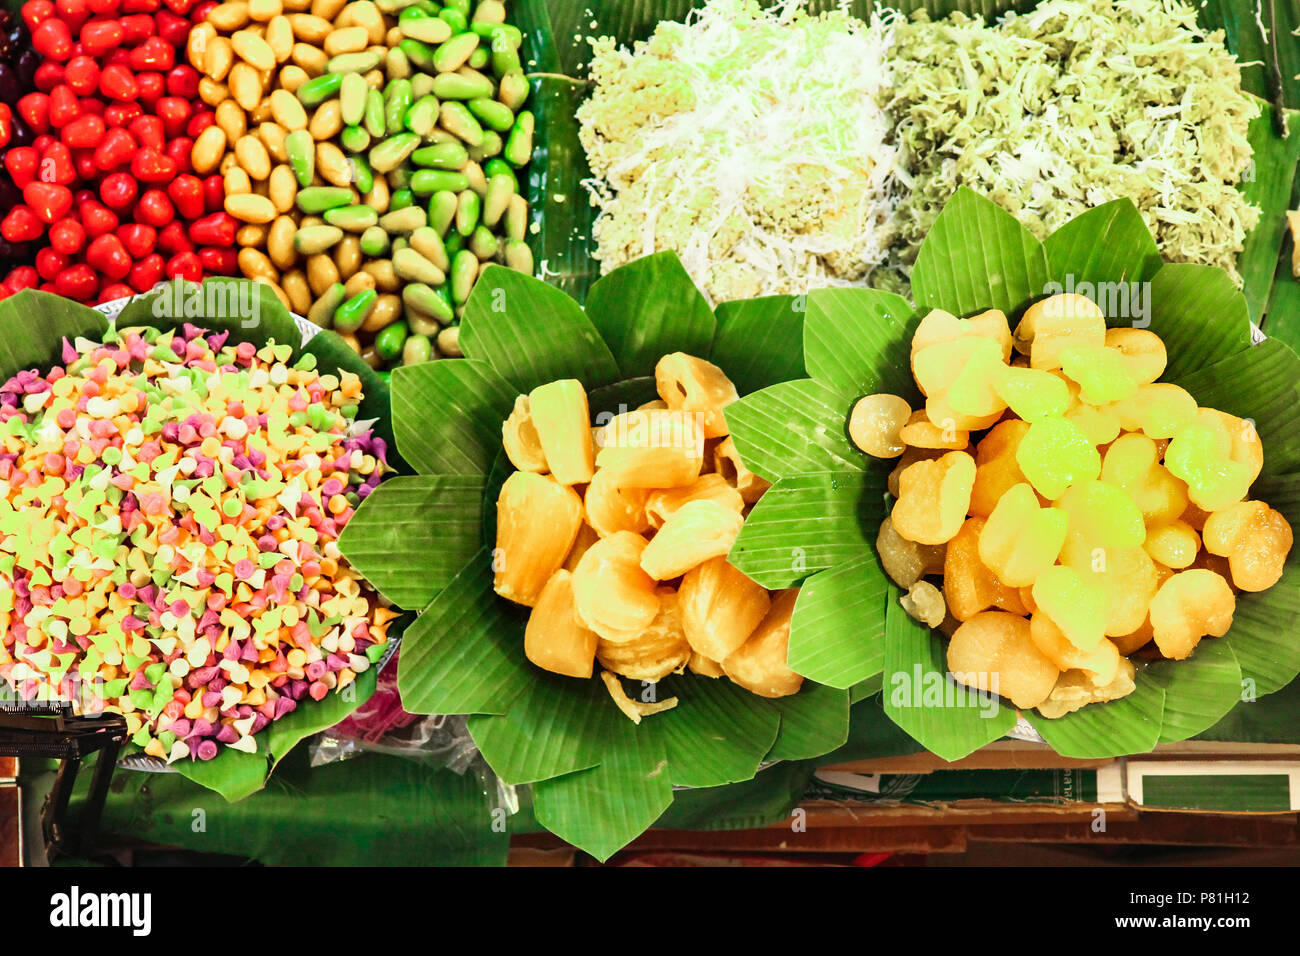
(100, 150)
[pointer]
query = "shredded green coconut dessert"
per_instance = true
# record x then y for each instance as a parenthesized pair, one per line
(750, 141)
(1073, 104)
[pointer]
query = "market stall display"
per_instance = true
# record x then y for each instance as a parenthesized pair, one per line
(803, 355)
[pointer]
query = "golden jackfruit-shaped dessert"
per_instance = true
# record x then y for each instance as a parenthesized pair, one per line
(612, 506)
(727, 463)
(655, 651)
(563, 423)
(759, 665)
(662, 505)
(697, 531)
(519, 438)
(1056, 323)
(613, 596)
(691, 384)
(720, 607)
(537, 521)
(656, 448)
(553, 638)
(586, 538)
(994, 651)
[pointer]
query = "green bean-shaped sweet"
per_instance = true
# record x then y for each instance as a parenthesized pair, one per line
(452, 54)
(454, 19)
(354, 139)
(349, 316)
(505, 58)
(374, 242)
(314, 200)
(362, 176)
(493, 115)
(519, 145)
(301, 150)
(397, 100)
(413, 267)
(499, 167)
(458, 86)
(468, 208)
(418, 25)
(425, 182)
(499, 190)
(456, 118)
(319, 89)
(392, 152)
(396, 65)
(421, 324)
(451, 155)
(419, 54)
(322, 311)
(400, 199)
(442, 211)
(464, 270)
(352, 218)
(374, 118)
(483, 243)
(313, 240)
(428, 243)
(421, 297)
(480, 58)
(388, 343)
(422, 117)
(491, 146)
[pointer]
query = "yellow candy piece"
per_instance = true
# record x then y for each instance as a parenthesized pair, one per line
(1190, 605)
(1103, 514)
(933, 498)
(1103, 660)
(974, 391)
(1157, 410)
(1055, 454)
(995, 465)
(1077, 606)
(1128, 576)
(1144, 352)
(1101, 427)
(994, 652)
(941, 413)
(940, 326)
(1021, 539)
(937, 367)
(1173, 543)
(968, 585)
(1132, 465)
(1254, 538)
(921, 432)
(1053, 324)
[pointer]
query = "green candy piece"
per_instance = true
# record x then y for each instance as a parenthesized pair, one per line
(459, 22)
(519, 146)
(490, 113)
(400, 199)
(457, 119)
(389, 341)
(1054, 454)
(1196, 454)
(483, 244)
(424, 299)
(362, 62)
(499, 167)
(457, 86)
(422, 117)
(442, 211)
(352, 98)
(392, 152)
(301, 149)
(505, 56)
(450, 156)
(468, 209)
(397, 100)
(352, 218)
(374, 117)
(351, 314)
(321, 88)
(428, 181)
(1032, 393)
(354, 139)
(314, 200)
(374, 242)
(418, 53)
(362, 176)
(464, 270)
